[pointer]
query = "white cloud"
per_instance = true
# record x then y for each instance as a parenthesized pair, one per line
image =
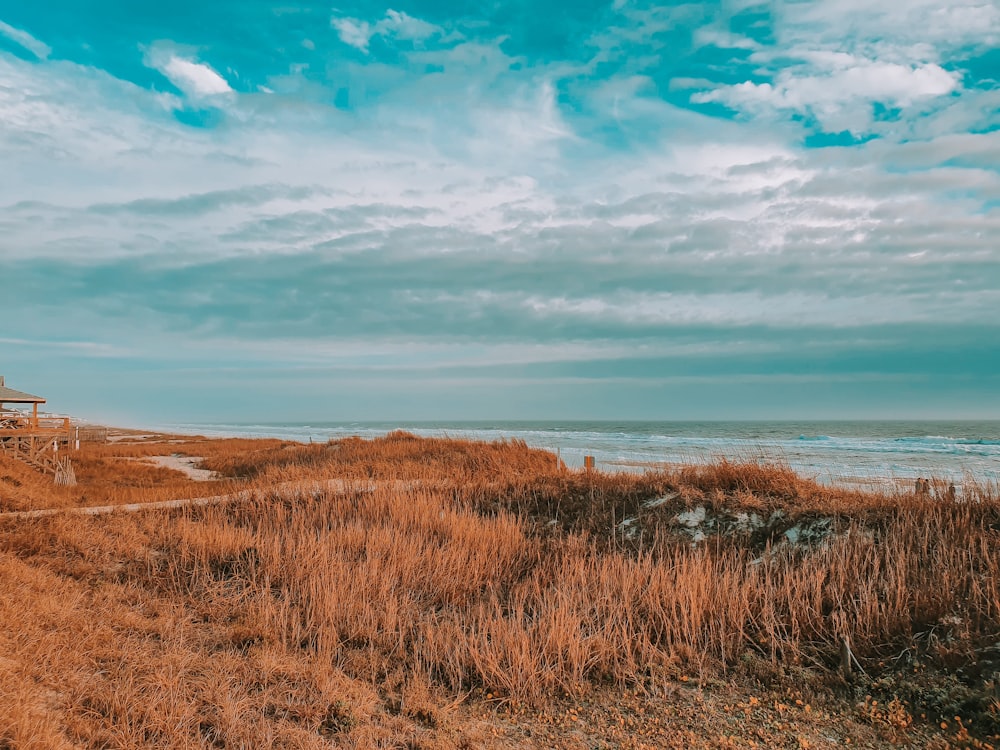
(833, 60)
(793, 308)
(93, 348)
(197, 80)
(194, 79)
(945, 23)
(841, 93)
(38, 48)
(396, 24)
(715, 37)
(403, 26)
(528, 127)
(353, 32)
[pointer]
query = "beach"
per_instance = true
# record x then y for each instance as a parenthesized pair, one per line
(872, 454)
(450, 593)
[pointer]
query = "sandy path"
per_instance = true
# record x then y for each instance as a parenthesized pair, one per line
(185, 464)
(286, 490)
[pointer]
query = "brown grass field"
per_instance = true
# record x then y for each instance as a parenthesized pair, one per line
(492, 599)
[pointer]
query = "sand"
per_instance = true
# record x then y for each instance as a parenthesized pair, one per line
(185, 464)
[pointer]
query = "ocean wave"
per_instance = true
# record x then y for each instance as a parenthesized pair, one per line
(816, 453)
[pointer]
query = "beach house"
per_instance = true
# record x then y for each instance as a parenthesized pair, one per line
(42, 441)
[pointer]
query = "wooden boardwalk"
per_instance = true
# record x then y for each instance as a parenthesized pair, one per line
(285, 491)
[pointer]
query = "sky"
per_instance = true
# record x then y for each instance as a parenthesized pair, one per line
(265, 211)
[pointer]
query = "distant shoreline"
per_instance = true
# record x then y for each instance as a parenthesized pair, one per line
(879, 462)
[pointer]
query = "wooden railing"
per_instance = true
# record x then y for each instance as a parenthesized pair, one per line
(15, 421)
(41, 442)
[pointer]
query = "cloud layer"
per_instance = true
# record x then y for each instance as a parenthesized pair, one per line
(705, 202)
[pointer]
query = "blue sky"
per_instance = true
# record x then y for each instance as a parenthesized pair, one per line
(267, 210)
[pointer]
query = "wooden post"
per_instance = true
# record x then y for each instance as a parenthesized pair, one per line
(845, 659)
(588, 462)
(34, 416)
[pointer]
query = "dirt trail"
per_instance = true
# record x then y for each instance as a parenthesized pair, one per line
(285, 490)
(187, 465)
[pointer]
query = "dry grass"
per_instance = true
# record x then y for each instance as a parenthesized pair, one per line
(499, 582)
(115, 474)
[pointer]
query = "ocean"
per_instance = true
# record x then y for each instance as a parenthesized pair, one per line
(872, 453)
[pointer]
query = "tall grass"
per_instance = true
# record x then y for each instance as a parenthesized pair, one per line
(278, 620)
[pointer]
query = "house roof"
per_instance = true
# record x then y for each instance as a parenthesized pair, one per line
(10, 396)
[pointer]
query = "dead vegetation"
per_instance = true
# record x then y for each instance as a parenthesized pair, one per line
(500, 601)
(115, 474)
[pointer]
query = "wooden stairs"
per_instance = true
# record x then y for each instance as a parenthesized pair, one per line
(43, 450)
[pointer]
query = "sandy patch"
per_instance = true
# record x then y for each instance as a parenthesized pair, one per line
(186, 464)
